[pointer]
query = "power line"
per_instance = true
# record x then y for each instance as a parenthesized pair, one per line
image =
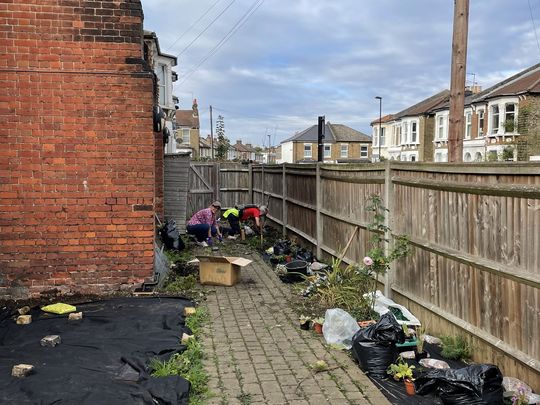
(191, 26)
(534, 25)
(208, 26)
(227, 36)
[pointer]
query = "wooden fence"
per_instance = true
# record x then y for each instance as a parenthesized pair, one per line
(474, 231)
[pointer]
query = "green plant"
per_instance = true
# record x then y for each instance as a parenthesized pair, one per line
(508, 153)
(400, 371)
(379, 257)
(420, 338)
(509, 125)
(188, 364)
(304, 318)
(455, 347)
(319, 320)
(181, 284)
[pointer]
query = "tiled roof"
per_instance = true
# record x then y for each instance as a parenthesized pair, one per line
(526, 81)
(185, 118)
(384, 119)
(425, 106)
(333, 133)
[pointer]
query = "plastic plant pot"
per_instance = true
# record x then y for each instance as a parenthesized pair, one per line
(409, 387)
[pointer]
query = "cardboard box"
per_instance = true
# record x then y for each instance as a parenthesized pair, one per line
(221, 270)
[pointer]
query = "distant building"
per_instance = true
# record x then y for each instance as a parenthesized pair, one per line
(187, 131)
(341, 144)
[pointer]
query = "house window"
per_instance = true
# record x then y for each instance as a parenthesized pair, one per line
(468, 125)
(510, 117)
(344, 150)
(363, 151)
(161, 74)
(405, 132)
(480, 123)
(185, 136)
(495, 119)
(382, 137)
(375, 136)
(327, 151)
(414, 131)
(440, 128)
(413, 158)
(307, 150)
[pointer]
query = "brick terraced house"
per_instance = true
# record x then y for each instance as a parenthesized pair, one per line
(79, 153)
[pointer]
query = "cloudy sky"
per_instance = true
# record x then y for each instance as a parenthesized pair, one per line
(270, 67)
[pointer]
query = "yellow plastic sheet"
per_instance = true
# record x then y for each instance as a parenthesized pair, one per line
(59, 308)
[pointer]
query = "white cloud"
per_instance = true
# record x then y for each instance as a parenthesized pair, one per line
(295, 60)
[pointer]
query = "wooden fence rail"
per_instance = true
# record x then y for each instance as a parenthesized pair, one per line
(474, 229)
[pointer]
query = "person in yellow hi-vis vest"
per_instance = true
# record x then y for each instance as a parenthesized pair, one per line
(235, 215)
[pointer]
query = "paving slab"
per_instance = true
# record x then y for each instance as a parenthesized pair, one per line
(257, 354)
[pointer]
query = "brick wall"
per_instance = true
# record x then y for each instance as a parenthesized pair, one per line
(77, 167)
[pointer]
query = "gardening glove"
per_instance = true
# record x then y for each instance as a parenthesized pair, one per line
(209, 241)
(220, 238)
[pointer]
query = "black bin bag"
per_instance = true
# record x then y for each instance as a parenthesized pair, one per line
(374, 347)
(479, 384)
(171, 237)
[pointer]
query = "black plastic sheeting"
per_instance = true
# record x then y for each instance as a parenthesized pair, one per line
(394, 391)
(102, 359)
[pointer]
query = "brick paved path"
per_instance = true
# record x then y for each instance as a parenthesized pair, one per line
(257, 354)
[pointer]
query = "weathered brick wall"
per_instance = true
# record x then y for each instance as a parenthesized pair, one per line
(77, 167)
(528, 143)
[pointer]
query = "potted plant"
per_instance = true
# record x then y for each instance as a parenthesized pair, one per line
(420, 352)
(402, 371)
(317, 325)
(305, 322)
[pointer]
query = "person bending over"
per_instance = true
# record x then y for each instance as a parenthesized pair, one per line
(203, 224)
(234, 216)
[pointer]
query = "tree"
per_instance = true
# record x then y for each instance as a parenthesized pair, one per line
(223, 142)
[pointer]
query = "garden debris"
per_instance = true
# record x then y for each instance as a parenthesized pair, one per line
(75, 316)
(434, 363)
(24, 319)
(408, 355)
(22, 370)
(59, 308)
(317, 266)
(432, 340)
(24, 310)
(339, 327)
(519, 390)
(188, 311)
(186, 338)
(319, 365)
(374, 347)
(477, 384)
(171, 237)
(50, 341)
(403, 316)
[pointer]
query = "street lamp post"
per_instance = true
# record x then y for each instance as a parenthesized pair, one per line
(380, 124)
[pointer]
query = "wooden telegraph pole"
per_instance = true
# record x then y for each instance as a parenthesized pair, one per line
(457, 80)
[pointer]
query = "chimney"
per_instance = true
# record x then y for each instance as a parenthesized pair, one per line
(195, 108)
(239, 142)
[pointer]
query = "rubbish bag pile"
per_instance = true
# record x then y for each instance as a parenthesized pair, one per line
(479, 384)
(374, 347)
(170, 236)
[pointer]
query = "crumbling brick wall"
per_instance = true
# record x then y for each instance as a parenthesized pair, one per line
(77, 153)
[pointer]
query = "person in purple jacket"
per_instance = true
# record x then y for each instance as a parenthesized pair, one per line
(203, 224)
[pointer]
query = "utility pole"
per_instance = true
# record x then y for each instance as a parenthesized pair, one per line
(211, 134)
(320, 137)
(457, 80)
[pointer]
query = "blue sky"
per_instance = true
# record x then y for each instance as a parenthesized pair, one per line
(294, 60)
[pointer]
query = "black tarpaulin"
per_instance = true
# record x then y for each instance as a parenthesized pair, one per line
(102, 359)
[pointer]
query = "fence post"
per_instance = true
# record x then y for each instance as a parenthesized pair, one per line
(389, 223)
(318, 203)
(284, 200)
(250, 185)
(218, 186)
(262, 185)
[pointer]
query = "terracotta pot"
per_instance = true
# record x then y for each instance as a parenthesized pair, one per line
(317, 327)
(409, 387)
(364, 324)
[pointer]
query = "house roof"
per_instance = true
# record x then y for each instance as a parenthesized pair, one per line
(384, 119)
(185, 118)
(425, 106)
(526, 81)
(333, 133)
(150, 35)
